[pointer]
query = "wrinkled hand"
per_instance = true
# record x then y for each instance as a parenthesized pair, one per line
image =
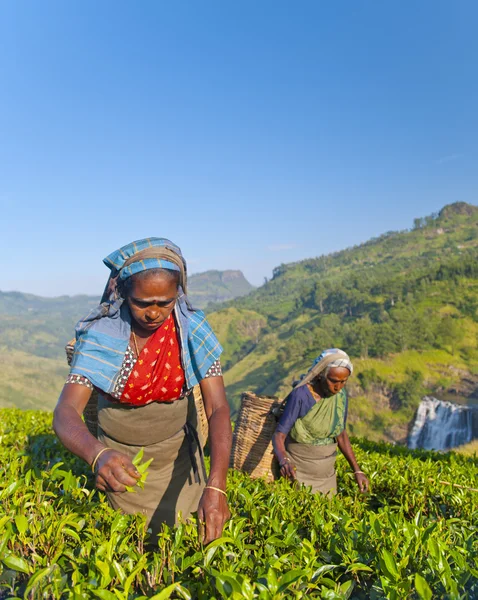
(213, 512)
(288, 470)
(362, 482)
(114, 471)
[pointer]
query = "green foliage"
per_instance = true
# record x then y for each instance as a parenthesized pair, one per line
(407, 393)
(368, 377)
(239, 332)
(404, 291)
(410, 535)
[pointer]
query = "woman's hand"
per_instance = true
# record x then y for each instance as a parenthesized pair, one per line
(287, 469)
(114, 471)
(213, 512)
(346, 449)
(362, 482)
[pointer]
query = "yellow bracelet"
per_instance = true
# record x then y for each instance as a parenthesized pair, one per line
(93, 464)
(210, 487)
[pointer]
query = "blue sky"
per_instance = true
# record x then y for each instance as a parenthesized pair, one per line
(250, 133)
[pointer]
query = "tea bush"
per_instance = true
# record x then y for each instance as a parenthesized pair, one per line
(411, 537)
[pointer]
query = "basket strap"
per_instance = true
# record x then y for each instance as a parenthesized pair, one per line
(192, 438)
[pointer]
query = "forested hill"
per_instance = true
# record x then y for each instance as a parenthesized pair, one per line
(404, 304)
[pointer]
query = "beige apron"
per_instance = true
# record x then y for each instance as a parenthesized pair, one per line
(315, 465)
(177, 475)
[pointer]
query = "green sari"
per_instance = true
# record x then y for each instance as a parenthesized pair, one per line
(323, 423)
(312, 446)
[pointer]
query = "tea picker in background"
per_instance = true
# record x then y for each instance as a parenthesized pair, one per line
(143, 349)
(313, 425)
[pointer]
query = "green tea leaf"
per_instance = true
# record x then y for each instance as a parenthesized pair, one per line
(290, 577)
(166, 593)
(356, 567)
(16, 563)
(36, 578)
(422, 587)
(104, 594)
(21, 523)
(138, 457)
(142, 469)
(347, 587)
(389, 565)
(227, 584)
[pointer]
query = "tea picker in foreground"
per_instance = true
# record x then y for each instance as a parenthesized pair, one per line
(313, 425)
(143, 349)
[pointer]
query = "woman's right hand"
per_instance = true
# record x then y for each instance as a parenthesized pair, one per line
(114, 471)
(287, 469)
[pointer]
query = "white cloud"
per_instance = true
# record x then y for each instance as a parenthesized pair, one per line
(449, 158)
(281, 247)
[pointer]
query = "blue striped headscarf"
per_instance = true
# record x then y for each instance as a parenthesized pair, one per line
(102, 337)
(117, 259)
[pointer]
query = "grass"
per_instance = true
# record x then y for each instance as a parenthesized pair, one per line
(470, 449)
(30, 382)
(433, 364)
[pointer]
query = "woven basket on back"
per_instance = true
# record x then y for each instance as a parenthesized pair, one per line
(196, 411)
(252, 441)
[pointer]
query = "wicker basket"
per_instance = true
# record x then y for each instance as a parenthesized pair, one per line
(196, 411)
(252, 442)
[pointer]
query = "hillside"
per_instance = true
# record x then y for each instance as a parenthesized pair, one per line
(30, 382)
(404, 305)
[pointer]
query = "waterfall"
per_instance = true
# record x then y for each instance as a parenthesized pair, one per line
(442, 425)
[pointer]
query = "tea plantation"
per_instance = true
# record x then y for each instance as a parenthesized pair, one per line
(413, 536)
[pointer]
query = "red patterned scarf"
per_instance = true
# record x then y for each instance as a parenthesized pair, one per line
(157, 375)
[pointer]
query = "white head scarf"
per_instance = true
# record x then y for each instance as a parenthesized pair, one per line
(328, 359)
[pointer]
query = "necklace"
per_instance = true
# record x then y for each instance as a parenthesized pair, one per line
(135, 343)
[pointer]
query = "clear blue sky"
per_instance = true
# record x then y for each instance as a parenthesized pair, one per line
(250, 133)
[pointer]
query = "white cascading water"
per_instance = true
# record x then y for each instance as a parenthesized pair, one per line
(441, 425)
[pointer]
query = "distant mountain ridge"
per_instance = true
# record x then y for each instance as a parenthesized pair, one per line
(35, 329)
(41, 326)
(404, 305)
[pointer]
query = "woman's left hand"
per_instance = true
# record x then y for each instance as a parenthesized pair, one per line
(362, 482)
(213, 512)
